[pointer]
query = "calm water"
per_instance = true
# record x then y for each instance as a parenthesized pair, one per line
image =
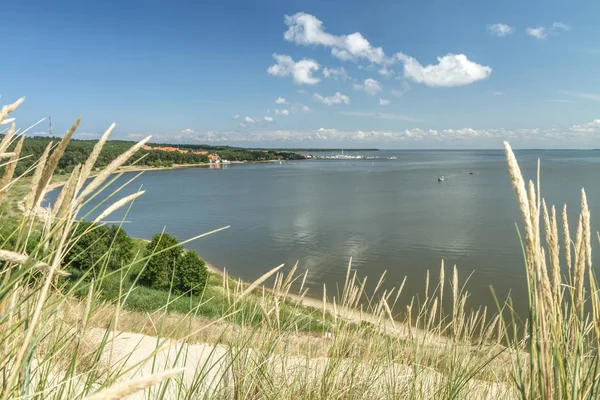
(386, 214)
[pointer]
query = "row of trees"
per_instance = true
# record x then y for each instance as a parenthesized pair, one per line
(79, 150)
(166, 265)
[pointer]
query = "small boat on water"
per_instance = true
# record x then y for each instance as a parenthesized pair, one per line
(441, 178)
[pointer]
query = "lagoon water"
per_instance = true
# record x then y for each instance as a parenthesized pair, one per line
(388, 215)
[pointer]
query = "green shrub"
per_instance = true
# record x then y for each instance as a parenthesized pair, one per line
(165, 253)
(170, 267)
(99, 245)
(191, 273)
(121, 247)
(91, 248)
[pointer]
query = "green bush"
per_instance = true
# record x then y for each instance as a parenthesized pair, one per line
(165, 253)
(99, 245)
(191, 273)
(91, 247)
(170, 267)
(121, 247)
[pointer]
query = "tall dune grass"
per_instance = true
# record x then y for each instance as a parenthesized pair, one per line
(56, 343)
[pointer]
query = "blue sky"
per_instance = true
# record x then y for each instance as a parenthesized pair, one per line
(382, 73)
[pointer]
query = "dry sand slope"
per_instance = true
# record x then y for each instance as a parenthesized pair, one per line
(208, 370)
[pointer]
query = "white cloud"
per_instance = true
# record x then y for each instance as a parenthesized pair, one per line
(326, 130)
(280, 100)
(300, 108)
(242, 125)
(305, 29)
(498, 93)
(384, 102)
(283, 113)
(236, 116)
(134, 136)
(539, 33)
(385, 71)
(336, 73)
(250, 120)
(500, 30)
(381, 115)
(370, 86)
(338, 98)
(188, 131)
(452, 70)
(583, 95)
(561, 26)
(585, 135)
(301, 71)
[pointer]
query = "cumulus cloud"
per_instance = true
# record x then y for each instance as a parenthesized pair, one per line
(383, 102)
(338, 98)
(336, 73)
(369, 86)
(560, 26)
(500, 30)
(283, 113)
(385, 71)
(300, 108)
(542, 33)
(539, 33)
(236, 116)
(301, 71)
(585, 135)
(326, 130)
(451, 70)
(242, 125)
(280, 100)
(307, 30)
(251, 120)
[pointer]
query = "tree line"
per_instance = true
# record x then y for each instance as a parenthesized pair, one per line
(78, 151)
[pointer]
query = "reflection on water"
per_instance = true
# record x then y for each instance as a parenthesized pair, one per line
(388, 215)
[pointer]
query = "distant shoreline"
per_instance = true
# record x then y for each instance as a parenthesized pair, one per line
(140, 168)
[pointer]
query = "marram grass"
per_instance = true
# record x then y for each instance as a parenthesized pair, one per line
(62, 341)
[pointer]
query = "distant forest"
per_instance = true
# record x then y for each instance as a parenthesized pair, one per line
(315, 150)
(78, 151)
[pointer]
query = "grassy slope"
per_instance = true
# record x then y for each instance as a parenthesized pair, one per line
(212, 304)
